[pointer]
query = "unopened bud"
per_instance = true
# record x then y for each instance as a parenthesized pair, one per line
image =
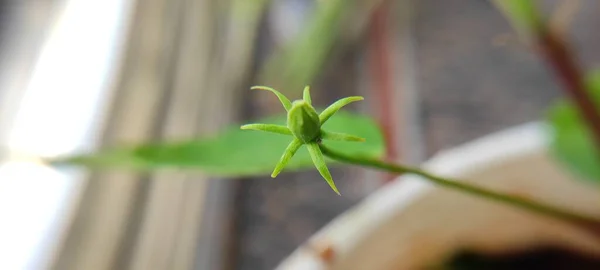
(304, 121)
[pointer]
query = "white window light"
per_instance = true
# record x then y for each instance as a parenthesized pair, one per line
(66, 95)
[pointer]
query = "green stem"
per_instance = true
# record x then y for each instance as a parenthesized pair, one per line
(537, 207)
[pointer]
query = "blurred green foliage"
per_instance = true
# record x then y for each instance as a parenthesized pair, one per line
(572, 141)
(234, 152)
(571, 136)
(297, 64)
(522, 14)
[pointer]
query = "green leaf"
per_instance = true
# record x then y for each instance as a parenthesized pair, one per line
(235, 152)
(572, 141)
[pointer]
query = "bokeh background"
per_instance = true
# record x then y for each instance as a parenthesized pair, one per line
(81, 75)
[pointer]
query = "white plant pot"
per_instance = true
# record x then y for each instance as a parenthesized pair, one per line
(411, 223)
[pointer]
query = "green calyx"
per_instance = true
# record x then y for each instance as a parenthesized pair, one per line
(303, 121)
(304, 124)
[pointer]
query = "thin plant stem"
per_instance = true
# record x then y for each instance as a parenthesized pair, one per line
(383, 79)
(588, 222)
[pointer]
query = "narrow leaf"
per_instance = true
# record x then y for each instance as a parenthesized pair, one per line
(336, 136)
(284, 100)
(268, 128)
(287, 155)
(336, 106)
(572, 141)
(319, 161)
(233, 152)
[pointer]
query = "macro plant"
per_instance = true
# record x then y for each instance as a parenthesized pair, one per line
(574, 127)
(304, 124)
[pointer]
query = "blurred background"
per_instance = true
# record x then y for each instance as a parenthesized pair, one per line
(78, 75)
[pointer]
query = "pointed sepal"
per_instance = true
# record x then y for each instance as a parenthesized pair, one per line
(268, 128)
(336, 106)
(306, 95)
(284, 100)
(335, 136)
(289, 152)
(319, 161)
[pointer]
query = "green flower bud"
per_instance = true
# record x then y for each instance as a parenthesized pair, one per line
(304, 124)
(303, 121)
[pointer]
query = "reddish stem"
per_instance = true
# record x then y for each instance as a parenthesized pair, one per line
(559, 57)
(381, 71)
